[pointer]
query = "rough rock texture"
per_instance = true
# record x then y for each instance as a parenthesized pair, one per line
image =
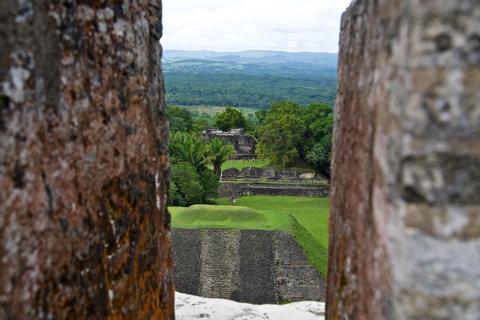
(244, 265)
(257, 181)
(188, 307)
(250, 188)
(83, 163)
(267, 173)
(405, 210)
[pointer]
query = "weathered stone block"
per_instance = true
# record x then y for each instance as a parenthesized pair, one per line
(83, 162)
(404, 213)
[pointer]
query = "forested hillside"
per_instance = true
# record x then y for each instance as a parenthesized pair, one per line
(249, 79)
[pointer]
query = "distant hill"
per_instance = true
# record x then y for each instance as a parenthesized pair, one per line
(249, 78)
(327, 61)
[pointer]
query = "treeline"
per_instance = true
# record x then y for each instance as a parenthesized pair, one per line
(245, 90)
(289, 132)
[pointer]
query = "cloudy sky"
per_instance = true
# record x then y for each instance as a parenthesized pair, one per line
(233, 25)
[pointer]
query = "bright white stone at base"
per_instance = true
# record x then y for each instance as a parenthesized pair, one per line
(189, 307)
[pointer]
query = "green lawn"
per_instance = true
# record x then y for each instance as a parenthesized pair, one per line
(240, 164)
(306, 218)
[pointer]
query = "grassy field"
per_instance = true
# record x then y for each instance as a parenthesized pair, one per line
(306, 218)
(240, 164)
(300, 166)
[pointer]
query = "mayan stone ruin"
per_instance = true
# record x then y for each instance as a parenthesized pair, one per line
(252, 266)
(243, 143)
(83, 162)
(405, 227)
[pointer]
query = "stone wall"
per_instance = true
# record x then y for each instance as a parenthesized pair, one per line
(238, 189)
(405, 227)
(83, 162)
(267, 173)
(246, 266)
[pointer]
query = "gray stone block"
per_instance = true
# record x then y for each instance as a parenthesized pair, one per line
(244, 265)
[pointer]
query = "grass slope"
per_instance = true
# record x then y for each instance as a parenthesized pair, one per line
(306, 218)
(208, 216)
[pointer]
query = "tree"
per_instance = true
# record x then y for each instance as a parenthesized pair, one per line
(261, 115)
(318, 119)
(281, 134)
(320, 156)
(285, 107)
(209, 182)
(193, 150)
(280, 138)
(317, 145)
(186, 188)
(173, 194)
(180, 118)
(220, 151)
(188, 147)
(229, 119)
(202, 122)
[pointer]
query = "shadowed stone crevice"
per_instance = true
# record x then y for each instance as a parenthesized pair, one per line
(256, 255)
(219, 263)
(188, 250)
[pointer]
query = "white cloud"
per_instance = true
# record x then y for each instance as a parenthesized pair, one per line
(232, 25)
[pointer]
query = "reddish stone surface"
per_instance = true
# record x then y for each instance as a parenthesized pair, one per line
(84, 231)
(358, 287)
(354, 238)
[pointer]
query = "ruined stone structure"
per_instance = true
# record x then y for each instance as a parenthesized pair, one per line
(269, 181)
(253, 173)
(83, 162)
(244, 265)
(253, 188)
(405, 211)
(244, 144)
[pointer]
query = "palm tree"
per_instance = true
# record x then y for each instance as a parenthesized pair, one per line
(220, 151)
(186, 147)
